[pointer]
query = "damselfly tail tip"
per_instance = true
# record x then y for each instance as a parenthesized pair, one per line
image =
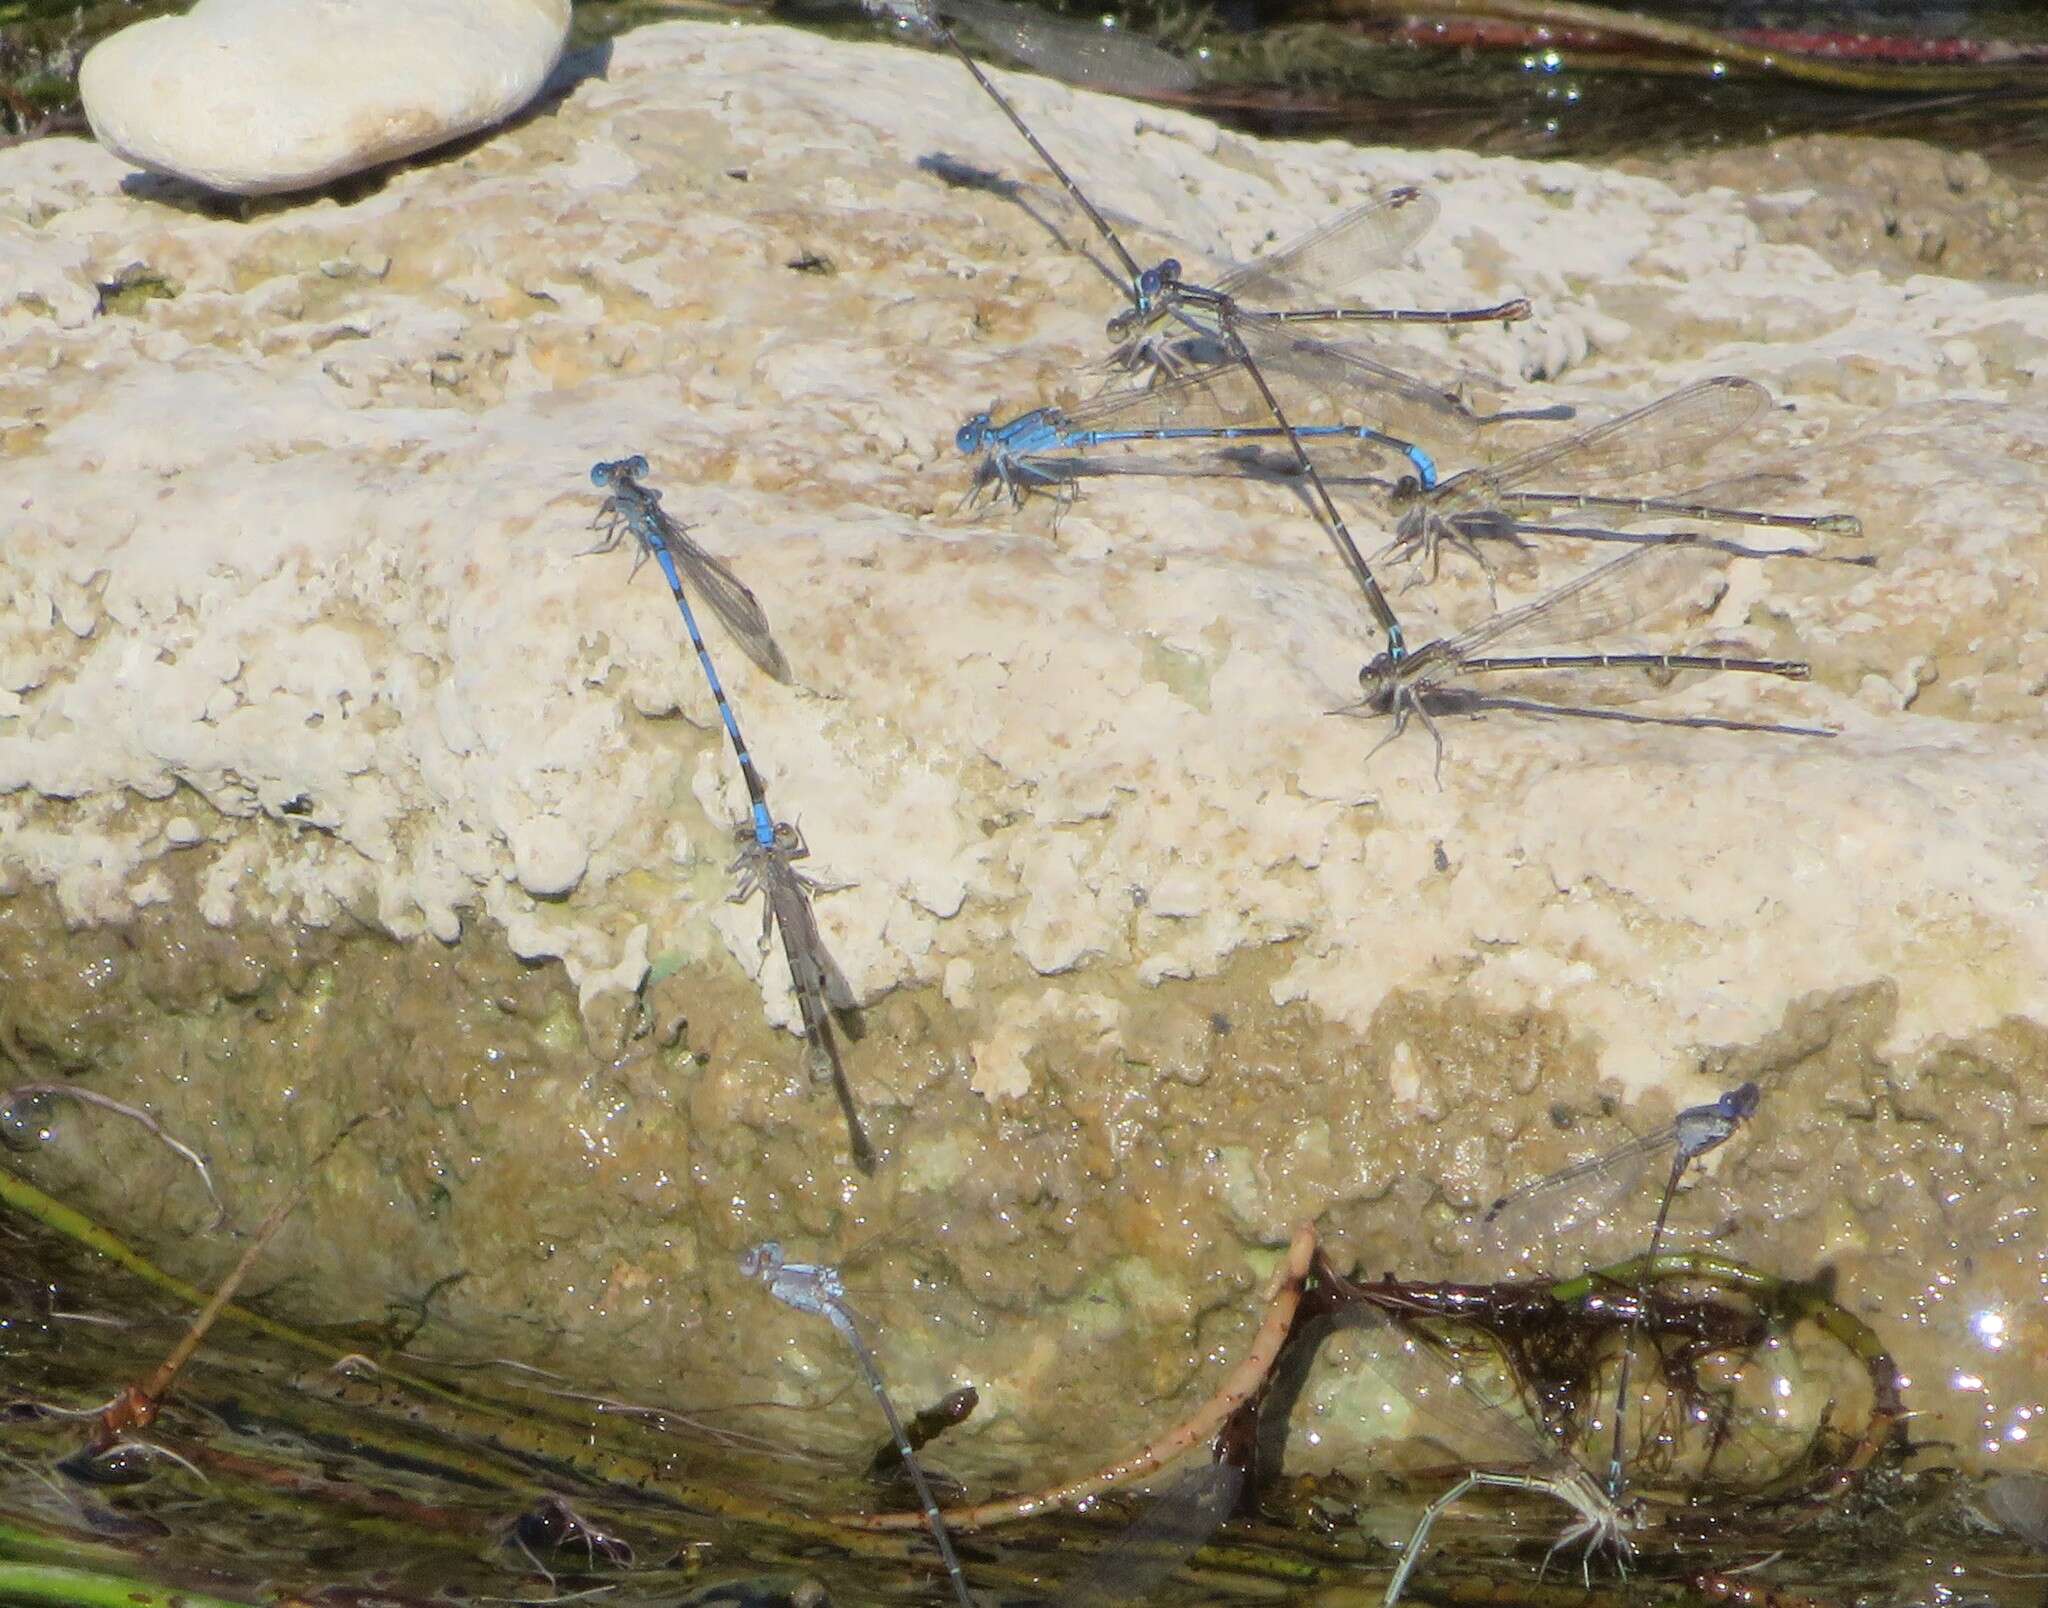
(1839, 525)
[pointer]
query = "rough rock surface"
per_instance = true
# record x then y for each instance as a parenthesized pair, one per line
(254, 97)
(1163, 957)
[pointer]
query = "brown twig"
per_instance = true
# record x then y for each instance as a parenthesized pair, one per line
(1705, 42)
(1283, 1295)
(136, 1406)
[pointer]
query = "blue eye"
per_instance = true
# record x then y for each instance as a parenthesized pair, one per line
(636, 466)
(968, 437)
(1148, 283)
(600, 474)
(1169, 270)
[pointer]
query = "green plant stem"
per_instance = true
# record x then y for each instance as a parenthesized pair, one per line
(19, 1544)
(83, 1588)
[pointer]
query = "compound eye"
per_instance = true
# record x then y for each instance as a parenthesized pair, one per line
(1149, 283)
(1169, 271)
(600, 474)
(968, 437)
(636, 465)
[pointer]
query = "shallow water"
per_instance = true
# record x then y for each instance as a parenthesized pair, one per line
(295, 1464)
(1312, 70)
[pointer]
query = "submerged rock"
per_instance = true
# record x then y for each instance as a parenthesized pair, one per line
(257, 96)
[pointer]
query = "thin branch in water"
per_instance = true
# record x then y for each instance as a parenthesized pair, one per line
(92, 1097)
(118, 1462)
(137, 1406)
(1283, 1298)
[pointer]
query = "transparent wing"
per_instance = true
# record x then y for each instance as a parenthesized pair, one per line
(1327, 260)
(1673, 430)
(813, 973)
(1212, 398)
(1159, 1540)
(1600, 602)
(1093, 56)
(814, 976)
(1317, 382)
(2019, 1502)
(727, 597)
(1341, 382)
(1573, 1195)
(1476, 1423)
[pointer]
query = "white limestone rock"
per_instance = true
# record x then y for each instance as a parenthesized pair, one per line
(254, 97)
(291, 551)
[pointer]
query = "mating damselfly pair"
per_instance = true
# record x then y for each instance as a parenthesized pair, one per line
(1508, 1449)
(1229, 361)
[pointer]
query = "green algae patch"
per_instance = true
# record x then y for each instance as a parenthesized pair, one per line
(570, 1189)
(53, 1586)
(132, 290)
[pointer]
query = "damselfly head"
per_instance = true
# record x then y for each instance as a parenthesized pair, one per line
(1739, 1105)
(1377, 681)
(614, 470)
(1153, 282)
(764, 1261)
(1406, 490)
(973, 435)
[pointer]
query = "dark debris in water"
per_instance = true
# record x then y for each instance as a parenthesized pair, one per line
(267, 1469)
